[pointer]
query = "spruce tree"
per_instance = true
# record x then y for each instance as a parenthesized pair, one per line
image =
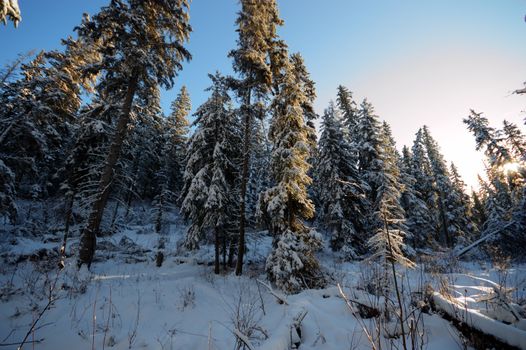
(453, 223)
(339, 190)
(419, 218)
(291, 264)
(349, 112)
(210, 195)
(141, 43)
(253, 59)
(370, 164)
(173, 154)
(387, 243)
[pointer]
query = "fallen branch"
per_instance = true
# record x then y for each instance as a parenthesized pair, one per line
(288, 335)
(357, 317)
(281, 299)
(243, 338)
(295, 329)
(365, 310)
(481, 240)
(480, 329)
(27, 342)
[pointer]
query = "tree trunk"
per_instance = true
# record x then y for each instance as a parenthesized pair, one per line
(223, 251)
(216, 247)
(444, 220)
(88, 238)
(231, 253)
(159, 220)
(244, 180)
(69, 211)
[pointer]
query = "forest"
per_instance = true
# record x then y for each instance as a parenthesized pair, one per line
(253, 222)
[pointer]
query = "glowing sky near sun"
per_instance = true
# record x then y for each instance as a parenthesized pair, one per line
(418, 62)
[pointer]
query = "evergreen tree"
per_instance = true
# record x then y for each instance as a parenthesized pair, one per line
(210, 197)
(478, 211)
(349, 113)
(254, 58)
(141, 43)
(291, 264)
(453, 223)
(388, 241)
(339, 188)
(505, 189)
(370, 164)
(7, 193)
(259, 172)
(419, 218)
(515, 139)
(421, 171)
(173, 154)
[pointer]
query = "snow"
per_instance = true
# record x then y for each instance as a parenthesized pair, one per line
(127, 302)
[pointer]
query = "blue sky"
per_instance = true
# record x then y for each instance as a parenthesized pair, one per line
(419, 62)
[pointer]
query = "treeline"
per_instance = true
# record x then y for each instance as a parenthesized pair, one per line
(84, 125)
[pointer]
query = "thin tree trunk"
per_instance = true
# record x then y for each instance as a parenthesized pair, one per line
(88, 238)
(159, 220)
(444, 220)
(223, 251)
(216, 244)
(398, 296)
(231, 253)
(69, 210)
(114, 216)
(244, 180)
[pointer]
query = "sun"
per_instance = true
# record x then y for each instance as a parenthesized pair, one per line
(510, 168)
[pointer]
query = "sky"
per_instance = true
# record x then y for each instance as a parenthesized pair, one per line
(418, 62)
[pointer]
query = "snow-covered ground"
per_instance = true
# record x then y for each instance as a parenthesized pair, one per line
(125, 301)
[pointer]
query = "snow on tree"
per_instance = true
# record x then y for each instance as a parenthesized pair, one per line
(141, 43)
(349, 111)
(210, 195)
(339, 190)
(419, 218)
(8, 205)
(9, 9)
(453, 223)
(369, 152)
(37, 117)
(259, 171)
(292, 264)
(255, 59)
(387, 243)
(505, 189)
(173, 153)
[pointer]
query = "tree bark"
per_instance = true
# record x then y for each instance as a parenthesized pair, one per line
(88, 238)
(216, 247)
(244, 180)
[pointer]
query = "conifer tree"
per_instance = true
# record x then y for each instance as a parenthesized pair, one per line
(349, 112)
(368, 149)
(340, 193)
(291, 264)
(505, 190)
(210, 196)
(256, 45)
(142, 46)
(173, 154)
(387, 243)
(421, 171)
(478, 211)
(308, 89)
(419, 218)
(453, 223)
